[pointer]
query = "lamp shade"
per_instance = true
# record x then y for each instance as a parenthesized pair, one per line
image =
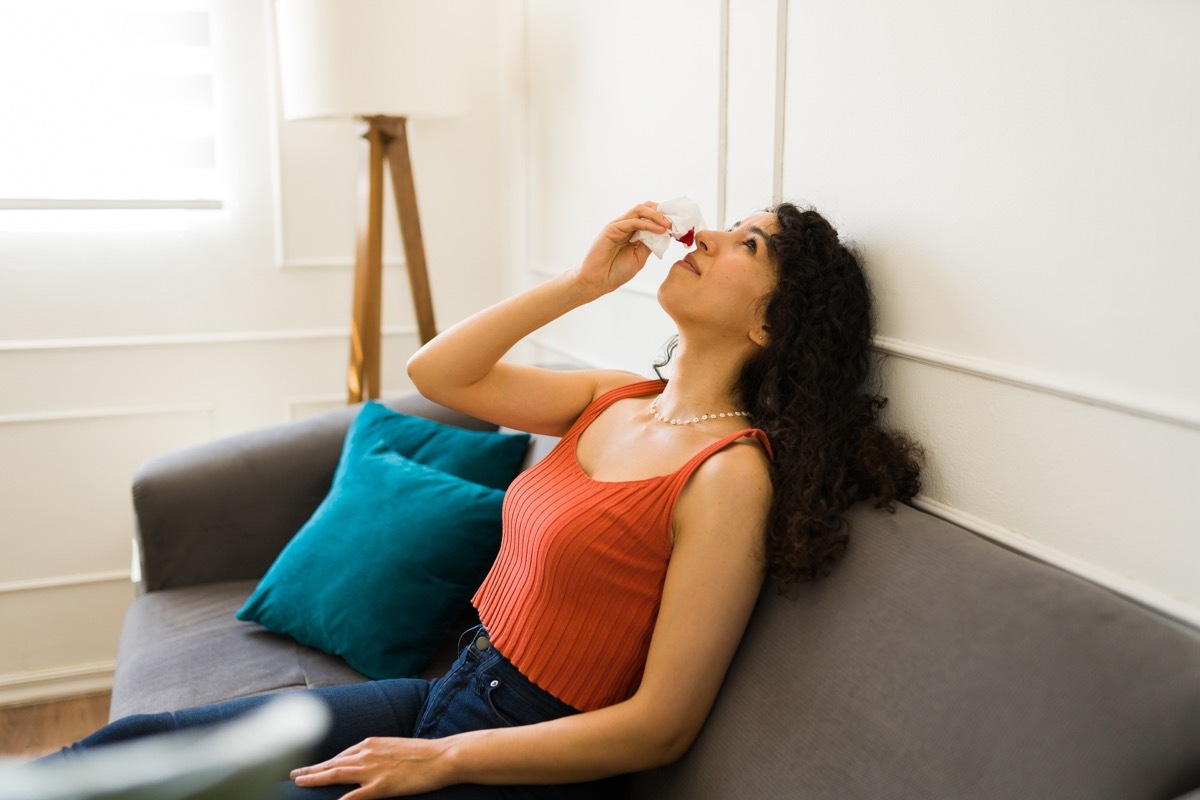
(341, 59)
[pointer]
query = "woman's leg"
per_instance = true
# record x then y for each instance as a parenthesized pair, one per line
(483, 690)
(358, 710)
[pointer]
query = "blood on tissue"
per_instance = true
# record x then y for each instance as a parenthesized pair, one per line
(688, 239)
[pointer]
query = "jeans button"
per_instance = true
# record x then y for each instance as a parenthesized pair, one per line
(482, 643)
(494, 684)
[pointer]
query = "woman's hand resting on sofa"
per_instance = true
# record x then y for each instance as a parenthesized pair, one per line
(382, 767)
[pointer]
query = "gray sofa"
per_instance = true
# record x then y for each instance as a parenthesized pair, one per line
(932, 664)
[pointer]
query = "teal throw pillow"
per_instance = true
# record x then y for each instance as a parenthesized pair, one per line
(386, 563)
(485, 457)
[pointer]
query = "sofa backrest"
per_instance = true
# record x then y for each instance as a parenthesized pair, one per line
(936, 664)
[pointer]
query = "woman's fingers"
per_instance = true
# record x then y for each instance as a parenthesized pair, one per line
(312, 768)
(325, 772)
(647, 211)
(613, 258)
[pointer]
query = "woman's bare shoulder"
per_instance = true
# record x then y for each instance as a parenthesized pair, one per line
(609, 379)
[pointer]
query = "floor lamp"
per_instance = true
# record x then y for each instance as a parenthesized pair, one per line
(382, 62)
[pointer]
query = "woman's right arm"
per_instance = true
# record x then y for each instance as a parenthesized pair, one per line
(461, 368)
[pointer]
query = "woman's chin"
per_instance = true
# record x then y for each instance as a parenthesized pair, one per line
(674, 303)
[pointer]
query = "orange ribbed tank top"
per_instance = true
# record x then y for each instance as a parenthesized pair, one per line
(574, 593)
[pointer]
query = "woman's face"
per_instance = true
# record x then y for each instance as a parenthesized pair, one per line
(721, 284)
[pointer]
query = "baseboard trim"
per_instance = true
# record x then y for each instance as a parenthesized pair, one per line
(61, 581)
(54, 684)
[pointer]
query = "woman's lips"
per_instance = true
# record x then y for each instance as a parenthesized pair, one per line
(686, 263)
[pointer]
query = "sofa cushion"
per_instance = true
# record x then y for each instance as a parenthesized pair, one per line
(934, 663)
(184, 647)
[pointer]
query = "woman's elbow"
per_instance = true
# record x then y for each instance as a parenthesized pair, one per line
(419, 370)
(670, 743)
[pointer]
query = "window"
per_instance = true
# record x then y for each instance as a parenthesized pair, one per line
(107, 104)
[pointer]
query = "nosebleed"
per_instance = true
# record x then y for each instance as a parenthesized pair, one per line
(685, 219)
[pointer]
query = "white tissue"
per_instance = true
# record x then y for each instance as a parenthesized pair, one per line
(685, 217)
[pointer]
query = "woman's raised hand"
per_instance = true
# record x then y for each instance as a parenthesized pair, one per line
(613, 259)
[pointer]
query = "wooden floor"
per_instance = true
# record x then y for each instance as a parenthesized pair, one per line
(34, 730)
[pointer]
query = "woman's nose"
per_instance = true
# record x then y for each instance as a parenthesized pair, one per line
(702, 239)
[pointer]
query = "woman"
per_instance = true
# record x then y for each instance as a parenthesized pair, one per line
(632, 556)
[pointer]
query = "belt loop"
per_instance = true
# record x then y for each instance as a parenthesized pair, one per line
(474, 633)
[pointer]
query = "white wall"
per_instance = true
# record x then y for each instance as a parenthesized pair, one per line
(1022, 176)
(622, 106)
(116, 346)
(1021, 179)
(1019, 176)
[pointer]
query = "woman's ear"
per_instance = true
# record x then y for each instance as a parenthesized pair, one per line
(760, 336)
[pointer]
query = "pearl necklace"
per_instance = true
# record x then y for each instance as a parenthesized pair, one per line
(693, 420)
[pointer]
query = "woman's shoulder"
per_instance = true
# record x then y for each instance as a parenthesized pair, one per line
(740, 471)
(609, 379)
(614, 380)
(746, 457)
(731, 485)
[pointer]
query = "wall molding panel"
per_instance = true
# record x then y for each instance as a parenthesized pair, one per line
(781, 48)
(332, 262)
(193, 339)
(27, 417)
(723, 114)
(1057, 385)
(1024, 378)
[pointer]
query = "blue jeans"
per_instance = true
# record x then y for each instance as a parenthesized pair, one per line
(482, 690)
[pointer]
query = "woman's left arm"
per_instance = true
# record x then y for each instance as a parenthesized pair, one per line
(713, 580)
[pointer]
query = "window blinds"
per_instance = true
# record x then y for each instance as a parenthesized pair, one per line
(107, 104)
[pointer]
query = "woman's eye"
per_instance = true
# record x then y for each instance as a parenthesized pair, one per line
(752, 245)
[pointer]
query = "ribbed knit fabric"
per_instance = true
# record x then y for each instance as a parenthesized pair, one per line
(573, 596)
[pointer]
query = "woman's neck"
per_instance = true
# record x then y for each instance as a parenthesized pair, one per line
(702, 382)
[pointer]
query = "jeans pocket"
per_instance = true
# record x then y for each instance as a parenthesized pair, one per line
(506, 707)
(441, 693)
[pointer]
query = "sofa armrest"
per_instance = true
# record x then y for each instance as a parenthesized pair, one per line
(223, 510)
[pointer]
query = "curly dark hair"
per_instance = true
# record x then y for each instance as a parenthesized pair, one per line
(809, 390)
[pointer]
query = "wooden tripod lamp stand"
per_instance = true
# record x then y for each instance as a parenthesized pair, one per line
(387, 139)
(382, 62)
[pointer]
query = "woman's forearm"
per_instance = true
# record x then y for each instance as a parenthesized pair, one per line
(588, 746)
(459, 367)
(465, 354)
(611, 741)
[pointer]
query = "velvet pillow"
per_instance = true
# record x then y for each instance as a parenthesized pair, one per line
(388, 560)
(484, 457)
